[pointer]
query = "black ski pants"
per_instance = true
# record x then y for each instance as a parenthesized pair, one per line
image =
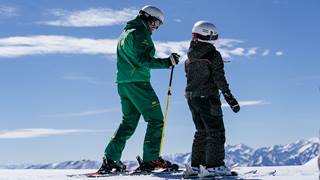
(209, 138)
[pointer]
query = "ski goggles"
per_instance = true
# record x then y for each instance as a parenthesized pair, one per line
(155, 22)
(206, 38)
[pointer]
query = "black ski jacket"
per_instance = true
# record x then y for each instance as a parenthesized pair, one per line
(204, 71)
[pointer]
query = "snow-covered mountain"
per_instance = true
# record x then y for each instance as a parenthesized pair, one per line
(81, 164)
(296, 153)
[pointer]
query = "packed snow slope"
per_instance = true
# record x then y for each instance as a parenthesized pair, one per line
(309, 171)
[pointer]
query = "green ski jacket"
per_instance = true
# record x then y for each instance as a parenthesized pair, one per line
(135, 53)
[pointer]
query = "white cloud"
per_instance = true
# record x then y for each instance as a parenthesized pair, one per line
(8, 11)
(35, 45)
(223, 45)
(248, 103)
(80, 77)
(164, 49)
(238, 51)
(230, 47)
(252, 51)
(227, 42)
(279, 53)
(91, 17)
(39, 132)
(18, 46)
(178, 20)
(84, 113)
(266, 52)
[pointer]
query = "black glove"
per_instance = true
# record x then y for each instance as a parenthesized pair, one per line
(231, 101)
(174, 58)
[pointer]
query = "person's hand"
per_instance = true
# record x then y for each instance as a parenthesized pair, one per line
(233, 103)
(174, 58)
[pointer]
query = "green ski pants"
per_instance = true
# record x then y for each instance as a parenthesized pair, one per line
(137, 98)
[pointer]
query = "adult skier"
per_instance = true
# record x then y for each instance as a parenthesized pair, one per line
(205, 77)
(135, 58)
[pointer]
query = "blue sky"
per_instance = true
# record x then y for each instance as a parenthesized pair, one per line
(57, 74)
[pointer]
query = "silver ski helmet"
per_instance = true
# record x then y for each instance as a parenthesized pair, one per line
(152, 14)
(205, 31)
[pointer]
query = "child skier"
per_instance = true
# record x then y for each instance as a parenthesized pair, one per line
(205, 77)
(135, 58)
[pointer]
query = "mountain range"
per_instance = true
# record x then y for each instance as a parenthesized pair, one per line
(296, 153)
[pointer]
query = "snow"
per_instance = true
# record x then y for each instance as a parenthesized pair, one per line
(309, 171)
(304, 148)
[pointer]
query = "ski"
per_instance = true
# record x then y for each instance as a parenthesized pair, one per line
(173, 169)
(127, 173)
(249, 172)
(269, 173)
(190, 173)
(96, 174)
(202, 173)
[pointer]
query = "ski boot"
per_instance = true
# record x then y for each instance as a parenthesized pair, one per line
(109, 166)
(221, 171)
(155, 165)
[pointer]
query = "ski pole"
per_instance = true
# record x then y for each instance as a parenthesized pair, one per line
(166, 111)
